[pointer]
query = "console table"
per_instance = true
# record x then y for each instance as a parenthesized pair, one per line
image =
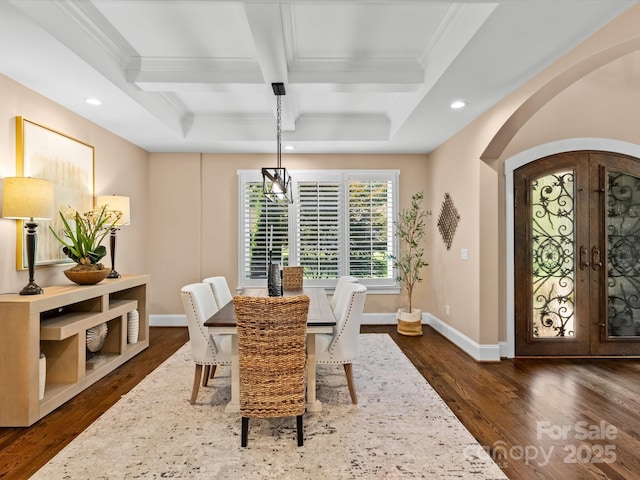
(56, 323)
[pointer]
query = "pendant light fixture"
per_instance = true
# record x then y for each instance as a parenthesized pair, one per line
(276, 182)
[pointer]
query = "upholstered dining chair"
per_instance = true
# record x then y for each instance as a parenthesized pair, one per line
(272, 356)
(292, 278)
(220, 289)
(207, 350)
(339, 291)
(341, 347)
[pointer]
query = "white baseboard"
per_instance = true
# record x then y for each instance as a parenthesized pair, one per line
(378, 319)
(481, 353)
(181, 320)
(167, 320)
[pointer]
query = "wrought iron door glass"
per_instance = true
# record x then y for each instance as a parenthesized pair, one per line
(623, 244)
(553, 250)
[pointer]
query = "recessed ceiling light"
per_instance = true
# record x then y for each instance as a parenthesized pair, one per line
(93, 101)
(289, 147)
(458, 104)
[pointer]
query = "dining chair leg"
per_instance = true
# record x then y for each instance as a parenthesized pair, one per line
(196, 383)
(348, 370)
(213, 371)
(245, 431)
(300, 430)
(205, 377)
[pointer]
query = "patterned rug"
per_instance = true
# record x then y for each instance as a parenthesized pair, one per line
(400, 429)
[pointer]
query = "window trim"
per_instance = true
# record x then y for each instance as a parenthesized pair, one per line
(377, 286)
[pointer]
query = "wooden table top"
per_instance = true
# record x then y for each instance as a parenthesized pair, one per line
(320, 312)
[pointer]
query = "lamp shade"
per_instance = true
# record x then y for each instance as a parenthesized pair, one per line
(26, 197)
(118, 204)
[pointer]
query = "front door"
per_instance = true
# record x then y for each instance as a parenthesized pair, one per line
(577, 255)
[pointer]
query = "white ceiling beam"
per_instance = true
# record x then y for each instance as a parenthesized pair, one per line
(191, 74)
(266, 24)
(210, 74)
(374, 75)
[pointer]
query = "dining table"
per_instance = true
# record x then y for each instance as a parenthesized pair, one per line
(320, 319)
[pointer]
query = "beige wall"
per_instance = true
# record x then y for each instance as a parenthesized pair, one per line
(456, 281)
(591, 92)
(184, 206)
(201, 194)
(604, 104)
(120, 168)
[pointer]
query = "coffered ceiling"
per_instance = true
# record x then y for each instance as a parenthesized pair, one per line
(360, 76)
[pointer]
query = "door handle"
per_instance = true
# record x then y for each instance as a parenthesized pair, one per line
(596, 262)
(584, 255)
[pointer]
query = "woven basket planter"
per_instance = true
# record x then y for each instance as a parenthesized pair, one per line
(409, 323)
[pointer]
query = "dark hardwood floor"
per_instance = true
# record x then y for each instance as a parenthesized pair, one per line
(539, 419)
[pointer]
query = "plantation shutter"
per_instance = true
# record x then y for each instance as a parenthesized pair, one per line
(262, 217)
(371, 228)
(319, 227)
(340, 223)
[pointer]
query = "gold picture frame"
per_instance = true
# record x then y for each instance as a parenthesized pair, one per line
(67, 162)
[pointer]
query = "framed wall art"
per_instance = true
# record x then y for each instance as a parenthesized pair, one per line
(69, 163)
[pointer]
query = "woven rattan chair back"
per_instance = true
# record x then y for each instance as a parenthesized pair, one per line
(292, 278)
(272, 356)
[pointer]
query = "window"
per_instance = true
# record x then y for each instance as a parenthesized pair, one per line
(318, 212)
(341, 223)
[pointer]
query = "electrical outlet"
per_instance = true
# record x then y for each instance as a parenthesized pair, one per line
(446, 310)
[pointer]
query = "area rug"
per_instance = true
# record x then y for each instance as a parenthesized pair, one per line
(399, 429)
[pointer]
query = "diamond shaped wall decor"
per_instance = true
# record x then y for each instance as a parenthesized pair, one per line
(448, 220)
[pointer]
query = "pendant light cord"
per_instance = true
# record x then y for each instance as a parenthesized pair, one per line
(279, 128)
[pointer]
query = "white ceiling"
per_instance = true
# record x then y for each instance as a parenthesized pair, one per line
(361, 76)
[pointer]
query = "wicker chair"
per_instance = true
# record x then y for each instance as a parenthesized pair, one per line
(341, 347)
(292, 278)
(272, 350)
(220, 289)
(340, 290)
(207, 350)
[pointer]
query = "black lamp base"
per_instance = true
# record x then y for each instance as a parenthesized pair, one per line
(113, 274)
(112, 243)
(31, 289)
(32, 242)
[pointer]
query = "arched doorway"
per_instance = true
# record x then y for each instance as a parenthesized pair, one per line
(577, 255)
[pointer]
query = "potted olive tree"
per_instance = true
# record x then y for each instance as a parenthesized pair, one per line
(410, 232)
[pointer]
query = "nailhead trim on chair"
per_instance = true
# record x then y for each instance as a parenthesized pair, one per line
(205, 334)
(335, 339)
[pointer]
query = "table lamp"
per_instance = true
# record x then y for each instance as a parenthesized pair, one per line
(28, 199)
(118, 204)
